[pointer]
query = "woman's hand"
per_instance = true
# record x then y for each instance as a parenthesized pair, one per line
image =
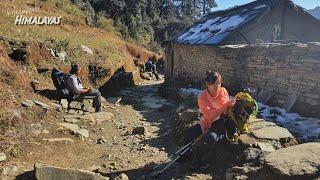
(231, 103)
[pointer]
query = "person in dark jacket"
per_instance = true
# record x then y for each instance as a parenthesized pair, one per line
(151, 67)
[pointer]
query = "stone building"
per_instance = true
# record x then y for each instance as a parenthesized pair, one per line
(277, 56)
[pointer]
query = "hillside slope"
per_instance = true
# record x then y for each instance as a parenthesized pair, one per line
(29, 52)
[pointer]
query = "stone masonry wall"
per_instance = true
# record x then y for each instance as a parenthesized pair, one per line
(288, 69)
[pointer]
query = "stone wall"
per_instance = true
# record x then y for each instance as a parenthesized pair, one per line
(279, 68)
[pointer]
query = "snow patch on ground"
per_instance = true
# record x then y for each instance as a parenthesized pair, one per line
(305, 129)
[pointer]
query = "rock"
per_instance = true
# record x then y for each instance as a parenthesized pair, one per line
(3, 157)
(267, 147)
(184, 121)
(75, 105)
(89, 109)
(114, 100)
(238, 172)
(61, 55)
(272, 133)
(140, 130)
(41, 104)
(9, 171)
(251, 155)
(64, 103)
(299, 161)
(198, 176)
(56, 106)
(87, 102)
(35, 129)
(83, 133)
(45, 172)
(263, 129)
(72, 120)
(16, 113)
(27, 104)
(94, 168)
(122, 176)
(72, 111)
(59, 140)
(86, 49)
(80, 112)
(45, 131)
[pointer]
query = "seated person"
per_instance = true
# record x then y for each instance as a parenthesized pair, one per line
(213, 102)
(150, 67)
(76, 86)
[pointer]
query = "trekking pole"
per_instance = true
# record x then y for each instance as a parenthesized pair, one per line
(178, 154)
(181, 149)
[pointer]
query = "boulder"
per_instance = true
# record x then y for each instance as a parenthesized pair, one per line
(299, 161)
(61, 55)
(122, 176)
(75, 105)
(263, 129)
(45, 172)
(9, 170)
(35, 129)
(86, 49)
(272, 133)
(89, 109)
(238, 172)
(41, 104)
(71, 120)
(266, 147)
(75, 129)
(64, 103)
(3, 157)
(184, 120)
(27, 103)
(252, 154)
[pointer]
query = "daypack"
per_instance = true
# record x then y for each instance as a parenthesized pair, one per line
(60, 82)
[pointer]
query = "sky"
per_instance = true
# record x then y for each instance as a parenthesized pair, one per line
(224, 4)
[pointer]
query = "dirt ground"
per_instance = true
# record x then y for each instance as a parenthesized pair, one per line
(120, 149)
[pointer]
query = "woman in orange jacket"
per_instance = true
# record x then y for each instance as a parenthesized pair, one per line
(213, 102)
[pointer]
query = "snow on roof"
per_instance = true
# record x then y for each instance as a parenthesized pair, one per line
(214, 28)
(259, 7)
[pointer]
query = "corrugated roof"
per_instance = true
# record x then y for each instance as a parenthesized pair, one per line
(217, 26)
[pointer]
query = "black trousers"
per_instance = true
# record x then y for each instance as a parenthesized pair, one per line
(153, 69)
(218, 131)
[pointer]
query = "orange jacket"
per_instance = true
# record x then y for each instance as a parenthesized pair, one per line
(212, 107)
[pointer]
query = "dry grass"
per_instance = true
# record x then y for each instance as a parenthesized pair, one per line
(73, 29)
(110, 50)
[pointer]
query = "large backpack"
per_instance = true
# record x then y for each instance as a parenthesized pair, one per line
(60, 82)
(241, 112)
